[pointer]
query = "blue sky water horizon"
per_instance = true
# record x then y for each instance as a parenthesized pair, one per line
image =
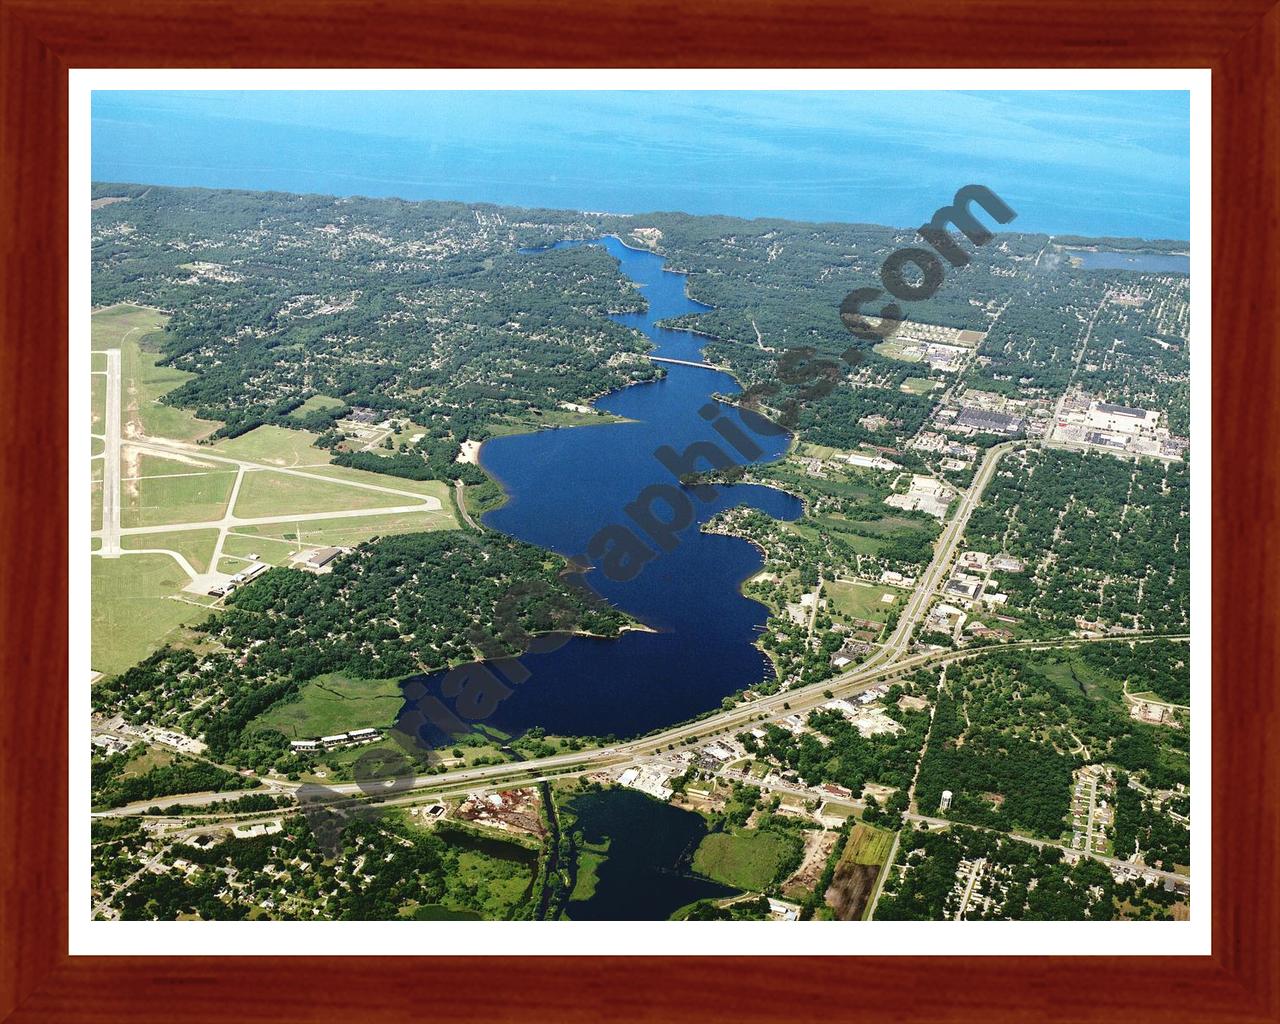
(1082, 162)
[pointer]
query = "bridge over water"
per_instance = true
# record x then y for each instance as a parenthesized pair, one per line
(689, 362)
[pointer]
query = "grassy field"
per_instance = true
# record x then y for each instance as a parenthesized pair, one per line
(894, 349)
(853, 600)
(316, 403)
(862, 545)
(264, 493)
(276, 446)
(268, 549)
(746, 859)
(346, 532)
(435, 488)
(918, 385)
(133, 610)
(98, 390)
(334, 703)
(867, 845)
(584, 886)
(196, 546)
(171, 492)
(113, 326)
(133, 330)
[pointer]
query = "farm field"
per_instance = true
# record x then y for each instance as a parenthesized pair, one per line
(860, 865)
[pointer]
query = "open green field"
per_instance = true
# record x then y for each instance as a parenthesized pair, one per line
(435, 488)
(918, 385)
(314, 404)
(132, 329)
(335, 703)
(177, 493)
(859, 544)
(1074, 673)
(266, 493)
(98, 389)
(272, 550)
(196, 546)
(867, 845)
(894, 349)
(133, 609)
(113, 326)
(584, 886)
(349, 531)
(276, 446)
(747, 859)
(498, 885)
(853, 600)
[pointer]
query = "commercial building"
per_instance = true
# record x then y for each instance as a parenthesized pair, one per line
(987, 422)
(321, 557)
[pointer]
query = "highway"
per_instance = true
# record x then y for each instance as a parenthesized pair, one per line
(885, 664)
(632, 752)
(943, 551)
(111, 461)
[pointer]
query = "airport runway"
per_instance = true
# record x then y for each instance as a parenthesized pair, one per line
(111, 461)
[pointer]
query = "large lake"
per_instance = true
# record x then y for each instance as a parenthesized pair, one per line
(565, 485)
(1144, 262)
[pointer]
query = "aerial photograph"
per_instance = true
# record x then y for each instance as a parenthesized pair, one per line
(639, 506)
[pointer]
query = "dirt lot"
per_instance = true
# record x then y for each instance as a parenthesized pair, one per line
(817, 848)
(850, 890)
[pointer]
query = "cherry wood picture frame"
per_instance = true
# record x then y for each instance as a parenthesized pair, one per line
(41, 39)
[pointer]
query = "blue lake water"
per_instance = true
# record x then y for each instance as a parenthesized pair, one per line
(566, 485)
(1144, 262)
(646, 875)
